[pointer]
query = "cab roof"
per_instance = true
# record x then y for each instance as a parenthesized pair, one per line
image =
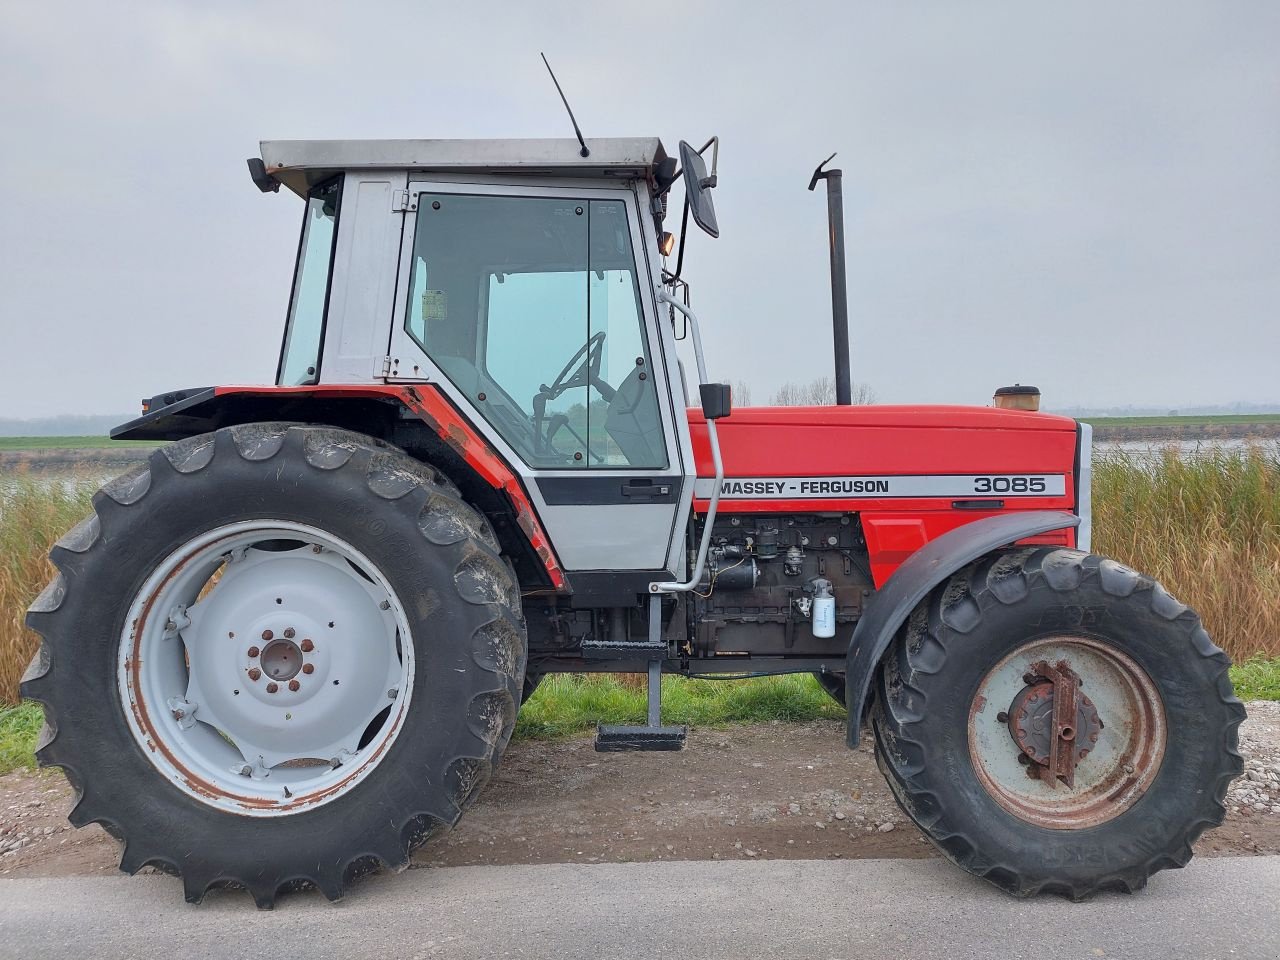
(300, 164)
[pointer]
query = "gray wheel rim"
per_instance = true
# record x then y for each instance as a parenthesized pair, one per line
(266, 667)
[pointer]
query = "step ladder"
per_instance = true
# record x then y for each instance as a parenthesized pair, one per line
(613, 738)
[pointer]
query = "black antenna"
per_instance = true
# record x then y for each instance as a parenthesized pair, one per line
(584, 152)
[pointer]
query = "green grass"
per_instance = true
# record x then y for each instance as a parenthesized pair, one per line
(19, 728)
(569, 705)
(1257, 679)
(69, 443)
(1229, 419)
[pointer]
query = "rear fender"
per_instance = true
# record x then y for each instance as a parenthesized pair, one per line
(374, 409)
(929, 566)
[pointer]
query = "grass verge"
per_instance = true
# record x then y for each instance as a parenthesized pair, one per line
(1208, 528)
(570, 704)
(19, 729)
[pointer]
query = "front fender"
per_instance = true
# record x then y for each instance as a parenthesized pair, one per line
(915, 578)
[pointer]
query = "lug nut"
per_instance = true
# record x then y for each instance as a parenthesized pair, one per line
(253, 651)
(311, 668)
(385, 605)
(288, 633)
(255, 673)
(1002, 717)
(307, 646)
(267, 634)
(294, 685)
(272, 687)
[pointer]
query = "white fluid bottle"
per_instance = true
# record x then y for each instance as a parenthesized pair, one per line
(824, 609)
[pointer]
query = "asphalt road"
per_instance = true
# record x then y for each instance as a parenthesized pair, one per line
(868, 909)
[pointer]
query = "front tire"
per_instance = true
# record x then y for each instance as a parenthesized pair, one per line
(319, 669)
(966, 694)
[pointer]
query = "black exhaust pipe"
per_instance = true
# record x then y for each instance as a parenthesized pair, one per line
(839, 292)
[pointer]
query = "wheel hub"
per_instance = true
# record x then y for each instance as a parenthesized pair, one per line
(1037, 742)
(281, 659)
(1053, 723)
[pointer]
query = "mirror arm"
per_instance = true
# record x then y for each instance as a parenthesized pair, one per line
(714, 441)
(714, 143)
(684, 232)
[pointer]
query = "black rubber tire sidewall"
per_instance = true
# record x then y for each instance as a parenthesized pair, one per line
(459, 598)
(928, 684)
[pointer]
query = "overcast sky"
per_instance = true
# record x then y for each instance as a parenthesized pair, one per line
(1082, 196)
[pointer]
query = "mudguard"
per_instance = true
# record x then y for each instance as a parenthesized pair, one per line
(929, 566)
(359, 407)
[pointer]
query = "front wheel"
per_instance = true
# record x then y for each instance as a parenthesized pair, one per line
(1056, 722)
(276, 655)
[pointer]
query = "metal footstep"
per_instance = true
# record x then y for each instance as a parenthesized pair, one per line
(614, 737)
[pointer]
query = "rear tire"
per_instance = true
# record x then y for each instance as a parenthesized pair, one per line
(435, 738)
(1157, 774)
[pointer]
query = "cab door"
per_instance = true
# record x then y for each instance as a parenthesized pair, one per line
(530, 309)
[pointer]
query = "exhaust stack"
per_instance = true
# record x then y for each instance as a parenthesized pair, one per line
(839, 291)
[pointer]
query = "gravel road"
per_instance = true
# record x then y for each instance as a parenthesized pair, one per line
(761, 792)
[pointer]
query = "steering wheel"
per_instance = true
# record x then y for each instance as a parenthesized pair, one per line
(590, 354)
(583, 369)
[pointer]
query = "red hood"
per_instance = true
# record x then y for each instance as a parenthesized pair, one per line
(871, 440)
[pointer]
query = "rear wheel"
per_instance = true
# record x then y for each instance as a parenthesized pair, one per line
(1055, 721)
(276, 656)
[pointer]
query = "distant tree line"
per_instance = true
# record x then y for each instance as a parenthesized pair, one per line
(820, 392)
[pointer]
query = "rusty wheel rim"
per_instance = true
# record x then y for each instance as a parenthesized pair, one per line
(1110, 774)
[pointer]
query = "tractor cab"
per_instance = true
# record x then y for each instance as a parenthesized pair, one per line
(522, 279)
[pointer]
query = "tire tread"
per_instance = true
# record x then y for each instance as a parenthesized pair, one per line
(901, 706)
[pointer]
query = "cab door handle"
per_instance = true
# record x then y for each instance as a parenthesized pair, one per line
(645, 490)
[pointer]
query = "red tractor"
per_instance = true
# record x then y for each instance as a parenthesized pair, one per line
(290, 648)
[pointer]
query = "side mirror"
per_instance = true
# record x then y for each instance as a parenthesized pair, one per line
(717, 400)
(697, 188)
